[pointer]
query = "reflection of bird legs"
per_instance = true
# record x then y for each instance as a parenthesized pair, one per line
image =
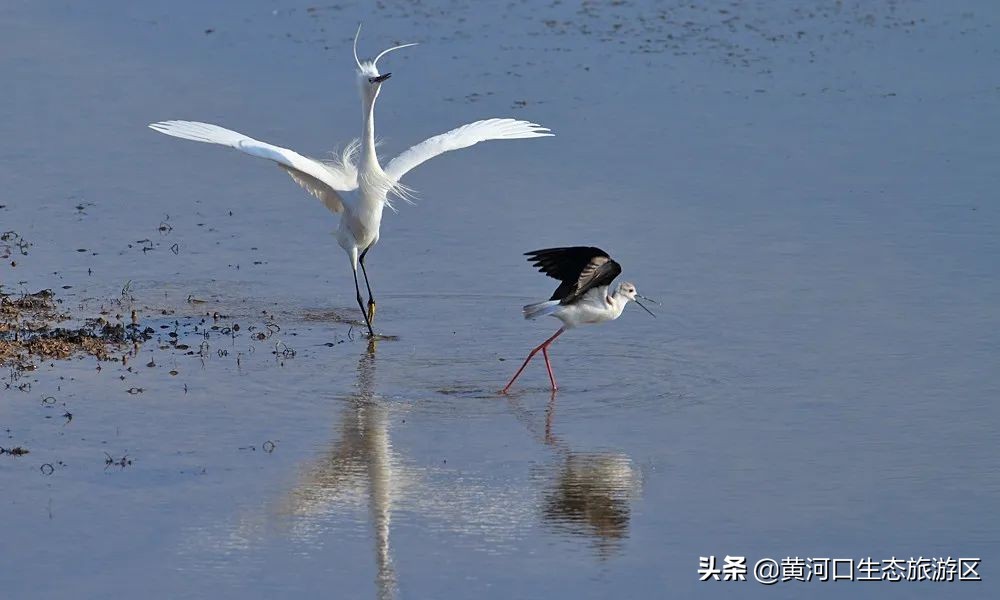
(546, 437)
(359, 463)
(377, 450)
(550, 412)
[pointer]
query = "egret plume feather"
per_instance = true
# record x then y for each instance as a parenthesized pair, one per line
(356, 34)
(388, 50)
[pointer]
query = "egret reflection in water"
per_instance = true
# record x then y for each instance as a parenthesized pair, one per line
(359, 465)
(360, 481)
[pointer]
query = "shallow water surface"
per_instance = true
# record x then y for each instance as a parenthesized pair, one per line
(809, 190)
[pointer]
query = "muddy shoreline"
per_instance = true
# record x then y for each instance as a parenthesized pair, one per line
(30, 331)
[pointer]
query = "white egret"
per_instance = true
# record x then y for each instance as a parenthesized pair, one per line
(355, 185)
(582, 298)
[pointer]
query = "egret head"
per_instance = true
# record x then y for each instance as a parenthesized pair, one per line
(369, 79)
(628, 291)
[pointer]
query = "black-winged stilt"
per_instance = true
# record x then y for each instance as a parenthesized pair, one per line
(582, 298)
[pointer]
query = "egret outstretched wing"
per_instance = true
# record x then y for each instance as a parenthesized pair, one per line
(320, 179)
(463, 137)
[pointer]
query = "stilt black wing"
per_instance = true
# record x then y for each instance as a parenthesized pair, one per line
(599, 272)
(579, 268)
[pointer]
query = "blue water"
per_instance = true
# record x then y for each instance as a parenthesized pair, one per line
(808, 188)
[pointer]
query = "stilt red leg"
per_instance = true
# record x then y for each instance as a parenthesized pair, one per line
(548, 367)
(516, 375)
(531, 354)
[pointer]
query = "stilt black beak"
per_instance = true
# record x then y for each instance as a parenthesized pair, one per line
(643, 306)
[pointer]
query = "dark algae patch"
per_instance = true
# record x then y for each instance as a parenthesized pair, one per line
(29, 330)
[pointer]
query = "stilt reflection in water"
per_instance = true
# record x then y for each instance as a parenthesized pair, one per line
(591, 492)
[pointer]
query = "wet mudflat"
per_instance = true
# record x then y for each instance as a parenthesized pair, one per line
(808, 189)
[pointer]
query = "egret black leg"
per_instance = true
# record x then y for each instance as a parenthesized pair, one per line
(371, 298)
(361, 305)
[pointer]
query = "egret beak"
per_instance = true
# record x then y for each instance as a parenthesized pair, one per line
(381, 78)
(643, 307)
